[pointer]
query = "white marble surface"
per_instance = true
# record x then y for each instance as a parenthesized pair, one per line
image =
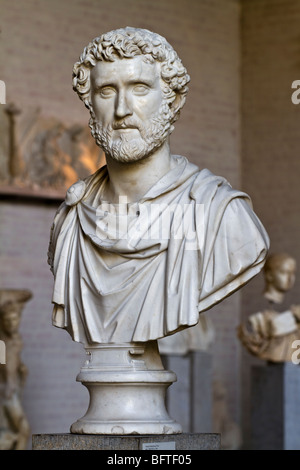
(127, 385)
(144, 245)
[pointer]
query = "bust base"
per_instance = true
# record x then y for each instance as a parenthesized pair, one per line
(127, 385)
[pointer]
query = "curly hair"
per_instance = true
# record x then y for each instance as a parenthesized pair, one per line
(128, 43)
(275, 260)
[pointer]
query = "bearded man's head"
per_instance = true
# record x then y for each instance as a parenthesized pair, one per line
(128, 43)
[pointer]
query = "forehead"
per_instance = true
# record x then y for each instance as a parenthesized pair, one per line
(284, 265)
(289, 264)
(125, 70)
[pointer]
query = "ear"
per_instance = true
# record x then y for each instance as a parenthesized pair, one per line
(269, 276)
(177, 103)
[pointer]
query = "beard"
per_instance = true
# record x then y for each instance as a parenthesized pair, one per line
(127, 149)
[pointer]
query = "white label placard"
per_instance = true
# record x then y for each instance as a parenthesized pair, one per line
(169, 445)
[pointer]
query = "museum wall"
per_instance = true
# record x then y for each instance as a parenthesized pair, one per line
(270, 144)
(40, 41)
(52, 398)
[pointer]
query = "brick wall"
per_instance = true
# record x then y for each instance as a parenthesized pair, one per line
(270, 140)
(40, 41)
(52, 399)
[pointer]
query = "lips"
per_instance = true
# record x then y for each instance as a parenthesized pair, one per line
(123, 126)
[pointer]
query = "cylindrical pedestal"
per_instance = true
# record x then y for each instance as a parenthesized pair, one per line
(127, 386)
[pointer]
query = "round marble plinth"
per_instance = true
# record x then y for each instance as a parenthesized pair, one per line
(127, 387)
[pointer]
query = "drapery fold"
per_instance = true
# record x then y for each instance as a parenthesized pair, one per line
(144, 270)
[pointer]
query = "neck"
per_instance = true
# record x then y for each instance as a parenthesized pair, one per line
(273, 295)
(134, 179)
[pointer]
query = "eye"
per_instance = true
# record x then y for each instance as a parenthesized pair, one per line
(106, 91)
(141, 89)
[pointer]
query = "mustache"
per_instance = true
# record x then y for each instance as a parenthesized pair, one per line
(125, 124)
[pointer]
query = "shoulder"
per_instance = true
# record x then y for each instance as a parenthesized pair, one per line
(75, 193)
(222, 203)
(215, 189)
(78, 190)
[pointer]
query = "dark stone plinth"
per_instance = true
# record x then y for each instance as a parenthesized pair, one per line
(184, 441)
(275, 407)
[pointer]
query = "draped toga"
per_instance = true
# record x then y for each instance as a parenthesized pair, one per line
(141, 271)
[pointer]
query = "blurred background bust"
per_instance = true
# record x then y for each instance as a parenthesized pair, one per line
(270, 334)
(14, 426)
(280, 273)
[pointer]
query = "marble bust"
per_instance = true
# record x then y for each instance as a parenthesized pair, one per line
(280, 274)
(144, 245)
(269, 334)
(115, 280)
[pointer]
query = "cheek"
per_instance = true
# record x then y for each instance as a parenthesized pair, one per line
(103, 110)
(277, 279)
(148, 106)
(292, 279)
(284, 280)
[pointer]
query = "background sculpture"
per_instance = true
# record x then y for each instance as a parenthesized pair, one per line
(15, 165)
(14, 426)
(270, 334)
(43, 153)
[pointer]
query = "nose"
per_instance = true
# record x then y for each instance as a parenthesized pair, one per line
(122, 107)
